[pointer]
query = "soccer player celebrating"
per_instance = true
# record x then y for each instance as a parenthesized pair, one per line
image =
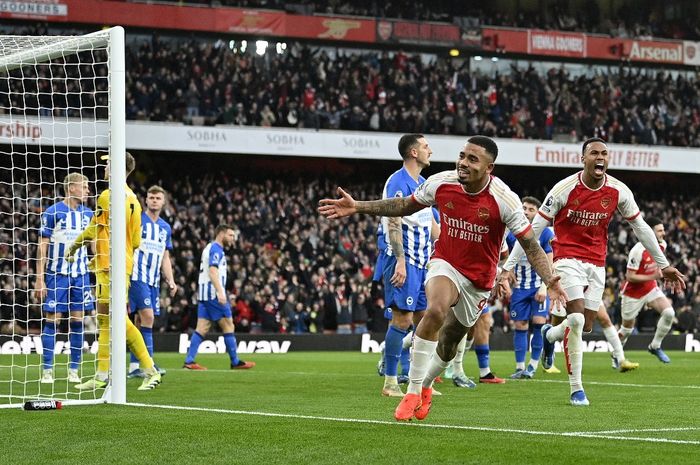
(529, 300)
(408, 248)
(213, 301)
(64, 287)
(581, 207)
(151, 256)
(475, 209)
(99, 229)
(641, 289)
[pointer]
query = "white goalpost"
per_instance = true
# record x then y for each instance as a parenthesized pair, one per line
(62, 107)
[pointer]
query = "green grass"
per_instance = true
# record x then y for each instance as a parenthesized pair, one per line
(303, 387)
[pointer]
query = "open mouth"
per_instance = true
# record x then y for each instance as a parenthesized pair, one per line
(599, 168)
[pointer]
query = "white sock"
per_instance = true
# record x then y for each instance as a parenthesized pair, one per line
(624, 333)
(133, 366)
(484, 371)
(614, 340)
(435, 367)
(101, 376)
(557, 332)
(663, 327)
(573, 350)
(407, 340)
(519, 365)
(534, 363)
(390, 380)
(422, 351)
(458, 361)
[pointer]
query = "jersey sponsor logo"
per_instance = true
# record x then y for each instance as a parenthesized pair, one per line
(483, 213)
(605, 202)
(460, 228)
(585, 217)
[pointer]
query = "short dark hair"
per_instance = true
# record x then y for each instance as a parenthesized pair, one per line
(487, 143)
(130, 163)
(407, 142)
(222, 228)
(532, 201)
(653, 221)
(590, 141)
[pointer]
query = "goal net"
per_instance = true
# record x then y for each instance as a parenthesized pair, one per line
(61, 111)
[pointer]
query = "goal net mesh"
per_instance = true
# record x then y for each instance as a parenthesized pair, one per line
(54, 127)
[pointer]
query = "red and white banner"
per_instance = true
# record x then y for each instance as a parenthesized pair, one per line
(331, 28)
(572, 44)
(569, 44)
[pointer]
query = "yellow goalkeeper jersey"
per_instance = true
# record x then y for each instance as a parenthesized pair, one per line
(100, 229)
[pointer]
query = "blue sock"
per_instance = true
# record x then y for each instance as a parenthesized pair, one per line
(230, 341)
(520, 345)
(48, 341)
(482, 355)
(194, 347)
(405, 361)
(536, 344)
(393, 345)
(76, 343)
(148, 339)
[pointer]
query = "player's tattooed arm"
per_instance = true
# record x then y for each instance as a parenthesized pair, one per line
(396, 236)
(395, 207)
(536, 256)
(346, 206)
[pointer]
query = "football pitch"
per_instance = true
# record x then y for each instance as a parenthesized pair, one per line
(326, 407)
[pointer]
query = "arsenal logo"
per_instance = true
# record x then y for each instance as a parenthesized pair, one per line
(483, 213)
(384, 29)
(605, 202)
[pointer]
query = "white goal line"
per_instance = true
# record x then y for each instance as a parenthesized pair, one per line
(592, 435)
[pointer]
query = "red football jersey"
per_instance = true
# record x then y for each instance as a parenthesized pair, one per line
(472, 226)
(581, 216)
(641, 262)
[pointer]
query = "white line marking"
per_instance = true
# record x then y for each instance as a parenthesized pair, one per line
(603, 383)
(416, 424)
(645, 430)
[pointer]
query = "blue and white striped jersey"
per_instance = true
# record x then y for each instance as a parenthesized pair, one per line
(156, 237)
(525, 276)
(213, 255)
(416, 227)
(62, 225)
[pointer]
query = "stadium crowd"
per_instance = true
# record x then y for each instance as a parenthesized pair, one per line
(205, 81)
(398, 92)
(629, 20)
(290, 270)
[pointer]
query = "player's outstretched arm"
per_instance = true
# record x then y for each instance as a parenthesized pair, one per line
(89, 234)
(346, 206)
(673, 279)
(540, 263)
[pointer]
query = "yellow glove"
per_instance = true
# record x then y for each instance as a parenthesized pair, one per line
(70, 253)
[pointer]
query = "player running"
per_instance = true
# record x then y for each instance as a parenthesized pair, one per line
(581, 207)
(640, 289)
(475, 209)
